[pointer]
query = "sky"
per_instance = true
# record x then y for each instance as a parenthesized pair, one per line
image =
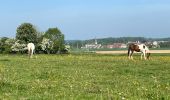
(88, 19)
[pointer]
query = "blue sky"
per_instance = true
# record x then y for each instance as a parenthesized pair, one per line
(87, 19)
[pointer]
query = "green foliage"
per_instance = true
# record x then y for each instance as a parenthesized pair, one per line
(165, 44)
(26, 32)
(46, 45)
(52, 41)
(57, 38)
(87, 77)
(5, 45)
(53, 34)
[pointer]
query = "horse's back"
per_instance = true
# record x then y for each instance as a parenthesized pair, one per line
(31, 46)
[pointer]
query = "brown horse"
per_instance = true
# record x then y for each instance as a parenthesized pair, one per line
(138, 48)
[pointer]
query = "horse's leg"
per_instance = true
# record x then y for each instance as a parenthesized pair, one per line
(144, 55)
(32, 52)
(30, 56)
(29, 53)
(129, 51)
(131, 55)
(141, 55)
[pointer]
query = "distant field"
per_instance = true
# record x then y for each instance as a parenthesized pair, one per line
(125, 51)
(84, 76)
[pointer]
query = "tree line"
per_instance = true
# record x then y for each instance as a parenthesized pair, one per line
(51, 42)
(111, 40)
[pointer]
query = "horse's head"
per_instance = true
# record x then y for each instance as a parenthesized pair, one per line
(147, 51)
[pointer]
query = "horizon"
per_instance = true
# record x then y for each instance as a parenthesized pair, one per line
(88, 19)
(117, 37)
(104, 38)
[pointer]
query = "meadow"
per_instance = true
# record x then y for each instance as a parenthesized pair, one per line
(84, 77)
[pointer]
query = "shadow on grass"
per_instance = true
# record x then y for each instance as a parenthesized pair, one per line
(9, 87)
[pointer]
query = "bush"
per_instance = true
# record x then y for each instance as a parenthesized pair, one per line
(19, 47)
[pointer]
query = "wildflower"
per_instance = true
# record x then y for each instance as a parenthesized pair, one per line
(123, 98)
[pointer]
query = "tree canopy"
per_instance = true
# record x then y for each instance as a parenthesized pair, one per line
(54, 34)
(26, 33)
(57, 38)
(51, 41)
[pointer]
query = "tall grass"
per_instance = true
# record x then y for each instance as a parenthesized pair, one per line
(84, 76)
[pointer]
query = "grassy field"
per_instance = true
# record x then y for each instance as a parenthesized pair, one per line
(84, 76)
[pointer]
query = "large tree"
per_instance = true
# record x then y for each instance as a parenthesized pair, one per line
(55, 36)
(26, 33)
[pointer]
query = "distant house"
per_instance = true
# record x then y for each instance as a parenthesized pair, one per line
(94, 45)
(110, 46)
(117, 45)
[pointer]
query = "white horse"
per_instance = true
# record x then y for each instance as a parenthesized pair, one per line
(31, 48)
(139, 48)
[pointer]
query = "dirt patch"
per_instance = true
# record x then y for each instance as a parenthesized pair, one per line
(125, 52)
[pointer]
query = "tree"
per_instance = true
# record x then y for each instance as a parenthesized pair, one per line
(55, 36)
(165, 44)
(26, 33)
(5, 45)
(2, 44)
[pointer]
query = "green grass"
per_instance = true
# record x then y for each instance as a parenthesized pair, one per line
(84, 76)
